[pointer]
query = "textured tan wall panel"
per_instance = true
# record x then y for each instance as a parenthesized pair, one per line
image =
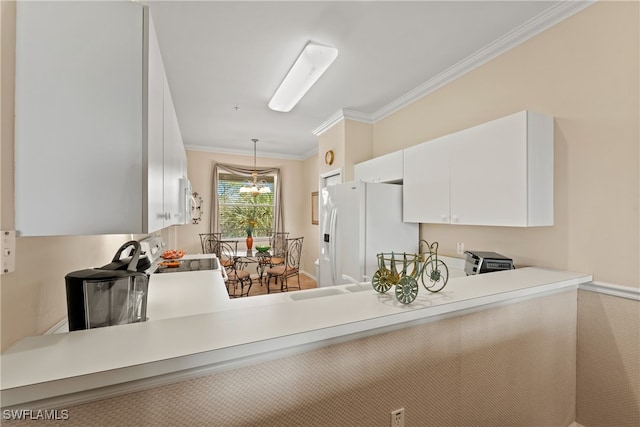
(608, 363)
(518, 364)
(509, 366)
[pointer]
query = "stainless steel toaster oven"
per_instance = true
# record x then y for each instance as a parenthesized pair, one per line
(486, 262)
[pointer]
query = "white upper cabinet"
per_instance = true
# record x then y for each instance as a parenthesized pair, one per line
(90, 113)
(426, 182)
(155, 218)
(173, 166)
(498, 173)
(386, 168)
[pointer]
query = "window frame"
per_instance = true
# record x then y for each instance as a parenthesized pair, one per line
(225, 176)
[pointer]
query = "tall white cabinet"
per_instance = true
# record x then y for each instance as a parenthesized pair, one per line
(92, 149)
(499, 173)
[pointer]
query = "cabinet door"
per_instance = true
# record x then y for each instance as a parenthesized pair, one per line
(155, 142)
(178, 173)
(172, 162)
(488, 173)
(387, 168)
(78, 118)
(426, 182)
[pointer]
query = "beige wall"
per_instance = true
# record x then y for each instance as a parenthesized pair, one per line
(297, 184)
(351, 142)
(311, 232)
(332, 139)
(584, 72)
(359, 145)
(608, 355)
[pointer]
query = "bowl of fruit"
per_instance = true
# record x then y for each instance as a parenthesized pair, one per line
(262, 248)
(172, 254)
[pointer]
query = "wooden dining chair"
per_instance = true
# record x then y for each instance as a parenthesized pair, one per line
(237, 276)
(290, 267)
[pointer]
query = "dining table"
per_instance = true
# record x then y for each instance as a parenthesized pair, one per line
(262, 259)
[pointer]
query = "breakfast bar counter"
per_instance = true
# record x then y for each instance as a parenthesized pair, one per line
(195, 329)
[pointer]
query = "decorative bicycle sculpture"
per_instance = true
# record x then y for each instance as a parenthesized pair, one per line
(433, 273)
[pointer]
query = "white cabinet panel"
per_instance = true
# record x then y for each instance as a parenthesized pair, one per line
(426, 182)
(155, 156)
(173, 173)
(488, 174)
(498, 173)
(386, 168)
(78, 152)
(89, 155)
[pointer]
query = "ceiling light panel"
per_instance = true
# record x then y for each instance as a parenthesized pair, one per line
(310, 65)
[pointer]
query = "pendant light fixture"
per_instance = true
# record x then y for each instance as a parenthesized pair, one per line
(255, 187)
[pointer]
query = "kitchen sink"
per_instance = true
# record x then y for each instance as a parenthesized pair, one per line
(358, 288)
(315, 293)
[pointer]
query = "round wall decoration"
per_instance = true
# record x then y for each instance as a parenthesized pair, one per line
(328, 157)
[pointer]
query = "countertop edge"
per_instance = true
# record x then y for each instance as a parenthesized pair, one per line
(108, 383)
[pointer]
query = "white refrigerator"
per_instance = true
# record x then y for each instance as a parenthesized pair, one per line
(358, 220)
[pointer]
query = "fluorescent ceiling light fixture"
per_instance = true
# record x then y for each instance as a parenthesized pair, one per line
(310, 65)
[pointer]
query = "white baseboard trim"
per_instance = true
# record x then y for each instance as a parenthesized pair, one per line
(57, 326)
(309, 275)
(619, 291)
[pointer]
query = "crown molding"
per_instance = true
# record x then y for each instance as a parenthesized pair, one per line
(249, 153)
(529, 29)
(328, 124)
(343, 114)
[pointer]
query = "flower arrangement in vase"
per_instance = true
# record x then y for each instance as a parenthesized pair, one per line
(249, 230)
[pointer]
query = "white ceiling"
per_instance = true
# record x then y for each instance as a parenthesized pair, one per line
(223, 54)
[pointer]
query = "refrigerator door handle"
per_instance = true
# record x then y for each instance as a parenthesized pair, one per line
(333, 246)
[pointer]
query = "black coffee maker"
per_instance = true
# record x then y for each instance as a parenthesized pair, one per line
(114, 294)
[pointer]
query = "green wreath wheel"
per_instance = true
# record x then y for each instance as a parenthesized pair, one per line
(407, 289)
(434, 275)
(380, 281)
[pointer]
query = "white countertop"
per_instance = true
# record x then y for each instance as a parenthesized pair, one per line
(215, 331)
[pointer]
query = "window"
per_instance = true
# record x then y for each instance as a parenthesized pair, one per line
(239, 211)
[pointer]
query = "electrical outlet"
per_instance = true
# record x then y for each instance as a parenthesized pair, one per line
(397, 418)
(8, 257)
(460, 248)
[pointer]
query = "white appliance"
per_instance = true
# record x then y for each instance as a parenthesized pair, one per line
(152, 247)
(187, 201)
(359, 220)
